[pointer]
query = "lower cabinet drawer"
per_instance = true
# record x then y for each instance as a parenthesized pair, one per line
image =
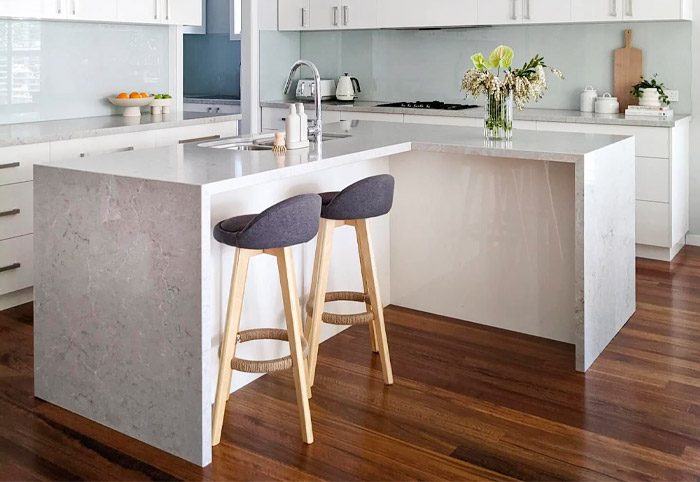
(101, 145)
(443, 120)
(653, 224)
(17, 162)
(196, 133)
(16, 263)
(652, 179)
(16, 210)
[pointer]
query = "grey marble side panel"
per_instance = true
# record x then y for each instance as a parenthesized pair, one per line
(117, 330)
(605, 264)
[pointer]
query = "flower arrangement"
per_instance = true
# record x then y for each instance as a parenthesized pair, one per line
(516, 86)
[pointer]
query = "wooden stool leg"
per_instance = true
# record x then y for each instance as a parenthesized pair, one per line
(319, 284)
(365, 245)
(292, 313)
(228, 341)
(368, 307)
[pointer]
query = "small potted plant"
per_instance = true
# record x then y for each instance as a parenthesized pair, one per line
(650, 92)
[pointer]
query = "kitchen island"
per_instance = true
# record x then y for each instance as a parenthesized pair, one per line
(534, 235)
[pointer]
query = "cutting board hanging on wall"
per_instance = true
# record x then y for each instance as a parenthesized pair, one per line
(628, 71)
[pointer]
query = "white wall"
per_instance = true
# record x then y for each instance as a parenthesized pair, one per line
(694, 237)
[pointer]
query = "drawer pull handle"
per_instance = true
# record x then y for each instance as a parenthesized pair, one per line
(200, 139)
(9, 164)
(102, 153)
(10, 267)
(11, 212)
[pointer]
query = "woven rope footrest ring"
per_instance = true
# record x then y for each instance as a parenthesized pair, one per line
(339, 319)
(265, 366)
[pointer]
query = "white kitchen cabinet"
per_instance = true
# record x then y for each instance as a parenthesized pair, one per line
(196, 134)
(442, 120)
(442, 13)
(92, 10)
(646, 10)
(54, 9)
(596, 10)
(17, 162)
(16, 210)
(16, 264)
(342, 14)
(293, 14)
(500, 12)
(139, 11)
(546, 11)
(182, 12)
(21, 9)
(94, 146)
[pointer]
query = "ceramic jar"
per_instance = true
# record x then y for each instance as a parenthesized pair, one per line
(607, 104)
(588, 99)
(650, 98)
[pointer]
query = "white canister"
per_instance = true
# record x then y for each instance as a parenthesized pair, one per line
(588, 98)
(607, 104)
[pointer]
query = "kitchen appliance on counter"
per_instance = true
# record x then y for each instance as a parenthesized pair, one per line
(435, 105)
(306, 89)
(348, 88)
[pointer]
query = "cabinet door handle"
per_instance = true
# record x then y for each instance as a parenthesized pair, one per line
(200, 139)
(335, 16)
(514, 15)
(58, 10)
(102, 153)
(155, 16)
(303, 17)
(11, 212)
(613, 8)
(9, 165)
(527, 10)
(346, 15)
(167, 9)
(75, 6)
(629, 8)
(10, 267)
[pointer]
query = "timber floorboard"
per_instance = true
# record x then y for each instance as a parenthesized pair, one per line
(468, 403)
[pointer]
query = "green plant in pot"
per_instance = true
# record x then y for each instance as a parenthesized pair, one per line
(650, 92)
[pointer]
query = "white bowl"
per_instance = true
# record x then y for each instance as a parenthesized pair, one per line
(132, 107)
(160, 106)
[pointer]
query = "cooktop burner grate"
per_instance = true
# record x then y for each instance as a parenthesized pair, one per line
(436, 105)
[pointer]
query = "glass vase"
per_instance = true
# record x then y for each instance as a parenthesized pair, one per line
(498, 117)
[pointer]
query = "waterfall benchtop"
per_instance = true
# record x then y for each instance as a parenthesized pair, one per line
(221, 169)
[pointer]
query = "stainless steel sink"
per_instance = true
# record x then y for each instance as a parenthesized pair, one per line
(326, 137)
(260, 144)
(249, 147)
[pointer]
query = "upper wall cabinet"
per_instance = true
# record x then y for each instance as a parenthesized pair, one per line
(366, 14)
(442, 13)
(343, 14)
(173, 12)
(293, 14)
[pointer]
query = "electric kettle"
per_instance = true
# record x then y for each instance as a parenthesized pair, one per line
(348, 88)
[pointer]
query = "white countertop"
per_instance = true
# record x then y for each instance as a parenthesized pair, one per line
(529, 114)
(220, 169)
(59, 130)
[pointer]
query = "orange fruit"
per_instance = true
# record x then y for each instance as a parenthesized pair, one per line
(123, 95)
(144, 95)
(134, 95)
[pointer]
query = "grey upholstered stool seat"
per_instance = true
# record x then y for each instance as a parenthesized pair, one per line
(367, 198)
(272, 232)
(293, 221)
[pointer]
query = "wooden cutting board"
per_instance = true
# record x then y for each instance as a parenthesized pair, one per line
(628, 71)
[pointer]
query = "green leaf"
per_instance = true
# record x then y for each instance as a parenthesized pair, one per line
(501, 57)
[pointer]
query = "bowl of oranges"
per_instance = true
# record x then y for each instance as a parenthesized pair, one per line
(132, 103)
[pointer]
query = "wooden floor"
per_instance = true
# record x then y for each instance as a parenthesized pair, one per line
(468, 403)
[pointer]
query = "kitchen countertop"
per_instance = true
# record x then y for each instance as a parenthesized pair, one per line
(222, 169)
(531, 114)
(59, 130)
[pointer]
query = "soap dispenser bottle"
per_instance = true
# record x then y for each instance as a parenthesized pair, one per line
(293, 128)
(303, 123)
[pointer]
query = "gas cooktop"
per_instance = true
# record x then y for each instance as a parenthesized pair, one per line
(437, 105)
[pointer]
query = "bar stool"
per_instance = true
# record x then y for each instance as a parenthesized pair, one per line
(367, 198)
(274, 231)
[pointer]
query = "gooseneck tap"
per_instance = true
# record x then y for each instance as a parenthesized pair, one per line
(316, 128)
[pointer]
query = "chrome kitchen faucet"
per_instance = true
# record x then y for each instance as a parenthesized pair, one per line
(316, 128)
